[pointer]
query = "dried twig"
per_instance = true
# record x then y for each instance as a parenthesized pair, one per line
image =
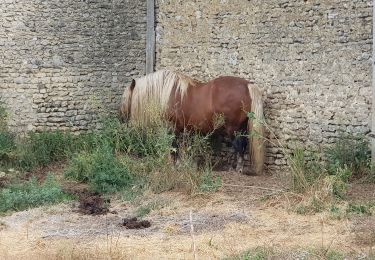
(192, 235)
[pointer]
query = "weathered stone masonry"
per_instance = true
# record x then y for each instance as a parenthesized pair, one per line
(59, 60)
(312, 58)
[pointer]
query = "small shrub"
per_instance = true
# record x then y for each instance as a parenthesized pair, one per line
(30, 194)
(41, 149)
(7, 139)
(83, 142)
(101, 170)
(293, 253)
(335, 255)
(7, 147)
(3, 117)
(350, 152)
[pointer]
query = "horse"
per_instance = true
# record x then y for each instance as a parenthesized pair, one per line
(192, 105)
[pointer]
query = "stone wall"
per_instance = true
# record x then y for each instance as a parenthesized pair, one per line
(312, 58)
(61, 60)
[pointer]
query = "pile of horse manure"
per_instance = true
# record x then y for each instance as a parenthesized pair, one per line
(93, 204)
(132, 223)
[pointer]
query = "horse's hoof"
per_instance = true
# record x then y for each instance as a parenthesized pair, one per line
(239, 170)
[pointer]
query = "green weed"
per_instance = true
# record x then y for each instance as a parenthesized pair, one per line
(351, 152)
(144, 210)
(208, 183)
(258, 253)
(3, 117)
(41, 149)
(31, 194)
(7, 148)
(114, 157)
(364, 208)
(7, 139)
(101, 170)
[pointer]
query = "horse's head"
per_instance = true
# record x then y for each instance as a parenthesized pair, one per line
(126, 102)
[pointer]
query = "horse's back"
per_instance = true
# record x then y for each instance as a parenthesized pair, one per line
(229, 81)
(230, 93)
(225, 95)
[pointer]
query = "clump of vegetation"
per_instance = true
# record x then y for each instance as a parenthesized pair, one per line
(7, 139)
(7, 147)
(128, 155)
(117, 157)
(146, 209)
(31, 194)
(259, 253)
(101, 170)
(154, 141)
(321, 183)
(304, 172)
(349, 209)
(41, 149)
(325, 182)
(364, 208)
(351, 152)
(320, 189)
(195, 154)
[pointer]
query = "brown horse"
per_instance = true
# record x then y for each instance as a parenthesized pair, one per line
(193, 105)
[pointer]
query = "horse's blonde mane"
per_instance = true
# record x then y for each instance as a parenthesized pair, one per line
(152, 92)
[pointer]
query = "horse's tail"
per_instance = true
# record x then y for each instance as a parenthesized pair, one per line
(256, 130)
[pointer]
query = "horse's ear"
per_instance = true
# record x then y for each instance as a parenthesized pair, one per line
(132, 85)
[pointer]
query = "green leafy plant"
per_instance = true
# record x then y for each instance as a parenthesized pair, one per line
(363, 208)
(31, 194)
(208, 183)
(7, 139)
(7, 147)
(351, 152)
(41, 149)
(101, 170)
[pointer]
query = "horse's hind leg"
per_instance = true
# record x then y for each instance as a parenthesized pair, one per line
(239, 144)
(174, 152)
(240, 159)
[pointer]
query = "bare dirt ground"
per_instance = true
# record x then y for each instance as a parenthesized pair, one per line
(236, 218)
